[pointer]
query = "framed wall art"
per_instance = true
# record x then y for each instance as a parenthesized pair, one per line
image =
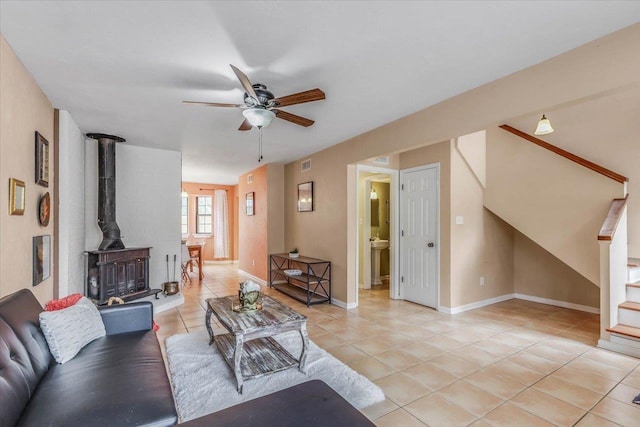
(44, 211)
(249, 199)
(41, 258)
(305, 197)
(42, 160)
(16, 197)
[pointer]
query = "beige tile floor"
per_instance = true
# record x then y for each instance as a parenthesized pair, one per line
(515, 363)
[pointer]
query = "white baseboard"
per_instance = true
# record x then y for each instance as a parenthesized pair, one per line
(474, 305)
(252, 277)
(557, 303)
(619, 348)
(343, 304)
(221, 261)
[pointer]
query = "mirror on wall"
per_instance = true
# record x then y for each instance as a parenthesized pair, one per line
(375, 217)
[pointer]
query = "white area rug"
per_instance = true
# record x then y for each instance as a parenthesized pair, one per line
(203, 382)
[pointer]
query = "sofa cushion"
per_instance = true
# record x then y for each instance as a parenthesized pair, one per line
(17, 379)
(20, 311)
(68, 330)
(116, 380)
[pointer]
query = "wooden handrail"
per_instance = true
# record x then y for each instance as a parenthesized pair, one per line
(610, 223)
(567, 155)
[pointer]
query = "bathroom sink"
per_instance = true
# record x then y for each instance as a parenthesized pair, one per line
(379, 244)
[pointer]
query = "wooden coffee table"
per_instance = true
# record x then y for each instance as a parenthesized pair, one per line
(249, 349)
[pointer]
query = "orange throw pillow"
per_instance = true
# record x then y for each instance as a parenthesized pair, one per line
(59, 304)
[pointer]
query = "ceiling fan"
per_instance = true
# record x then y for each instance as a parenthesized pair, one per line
(261, 106)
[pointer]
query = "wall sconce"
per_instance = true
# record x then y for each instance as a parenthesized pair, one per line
(544, 126)
(374, 195)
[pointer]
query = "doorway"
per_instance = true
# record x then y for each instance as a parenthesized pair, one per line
(419, 225)
(376, 243)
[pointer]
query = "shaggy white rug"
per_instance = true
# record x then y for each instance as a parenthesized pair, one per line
(203, 382)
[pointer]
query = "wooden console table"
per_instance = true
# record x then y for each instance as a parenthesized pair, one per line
(311, 286)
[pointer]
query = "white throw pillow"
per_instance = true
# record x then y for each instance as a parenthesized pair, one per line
(67, 331)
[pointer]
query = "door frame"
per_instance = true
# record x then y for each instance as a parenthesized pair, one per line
(401, 247)
(394, 259)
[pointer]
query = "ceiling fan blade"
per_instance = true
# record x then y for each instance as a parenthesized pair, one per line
(300, 97)
(302, 121)
(245, 125)
(244, 80)
(212, 104)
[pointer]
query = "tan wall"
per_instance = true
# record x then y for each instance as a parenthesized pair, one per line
(195, 189)
(555, 202)
(253, 232)
(438, 153)
(481, 247)
(322, 232)
(595, 68)
(539, 273)
(275, 202)
(24, 109)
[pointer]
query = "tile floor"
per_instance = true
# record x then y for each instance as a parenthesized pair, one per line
(515, 363)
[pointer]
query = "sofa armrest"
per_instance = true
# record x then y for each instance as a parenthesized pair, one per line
(118, 319)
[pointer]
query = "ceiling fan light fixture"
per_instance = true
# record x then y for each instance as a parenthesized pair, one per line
(544, 126)
(259, 117)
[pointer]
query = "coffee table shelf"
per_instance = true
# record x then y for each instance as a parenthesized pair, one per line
(273, 357)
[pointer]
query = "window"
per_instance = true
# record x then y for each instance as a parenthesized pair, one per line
(184, 212)
(203, 215)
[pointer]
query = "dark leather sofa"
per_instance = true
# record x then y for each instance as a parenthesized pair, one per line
(116, 380)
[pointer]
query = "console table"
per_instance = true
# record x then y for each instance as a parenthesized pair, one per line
(311, 286)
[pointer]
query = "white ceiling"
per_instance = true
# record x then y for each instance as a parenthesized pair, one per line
(124, 67)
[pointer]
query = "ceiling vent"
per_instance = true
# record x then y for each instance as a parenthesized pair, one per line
(382, 160)
(250, 178)
(305, 165)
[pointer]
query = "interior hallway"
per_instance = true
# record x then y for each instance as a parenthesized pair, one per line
(509, 364)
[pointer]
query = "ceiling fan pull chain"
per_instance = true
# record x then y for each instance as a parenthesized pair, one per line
(259, 144)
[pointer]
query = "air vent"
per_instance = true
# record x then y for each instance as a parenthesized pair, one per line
(382, 160)
(250, 178)
(305, 165)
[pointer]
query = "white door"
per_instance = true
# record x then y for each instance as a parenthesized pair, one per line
(419, 235)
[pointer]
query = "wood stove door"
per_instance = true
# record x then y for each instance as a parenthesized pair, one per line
(141, 274)
(108, 288)
(121, 268)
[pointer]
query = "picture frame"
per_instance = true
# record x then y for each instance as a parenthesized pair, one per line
(305, 197)
(41, 258)
(249, 203)
(16, 196)
(42, 160)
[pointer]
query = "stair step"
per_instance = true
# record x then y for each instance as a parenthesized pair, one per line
(625, 330)
(629, 313)
(629, 305)
(633, 270)
(633, 292)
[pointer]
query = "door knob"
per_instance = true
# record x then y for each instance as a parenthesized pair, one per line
(431, 244)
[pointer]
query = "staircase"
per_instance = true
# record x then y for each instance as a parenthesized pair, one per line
(627, 331)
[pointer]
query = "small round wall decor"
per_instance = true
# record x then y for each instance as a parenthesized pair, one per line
(45, 209)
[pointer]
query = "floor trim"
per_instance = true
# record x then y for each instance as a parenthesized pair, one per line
(557, 303)
(343, 304)
(252, 277)
(619, 348)
(474, 305)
